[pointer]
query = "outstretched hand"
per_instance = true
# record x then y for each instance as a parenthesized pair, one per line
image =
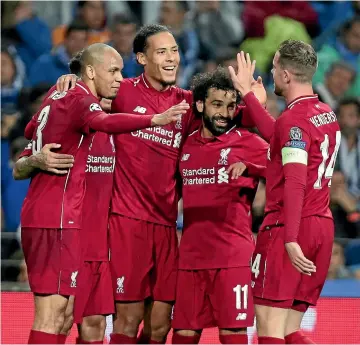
(244, 77)
(173, 114)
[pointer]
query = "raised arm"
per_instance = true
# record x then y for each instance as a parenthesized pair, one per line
(254, 113)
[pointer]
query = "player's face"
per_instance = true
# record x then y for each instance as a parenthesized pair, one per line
(218, 110)
(161, 59)
(108, 75)
(278, 75)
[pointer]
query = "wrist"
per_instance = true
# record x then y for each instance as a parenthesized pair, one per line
(34, 161)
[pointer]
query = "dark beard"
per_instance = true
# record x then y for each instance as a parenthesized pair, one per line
(277, 91)
(165, 84)
(210, 124)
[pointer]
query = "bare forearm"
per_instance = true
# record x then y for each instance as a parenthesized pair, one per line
(24, 168)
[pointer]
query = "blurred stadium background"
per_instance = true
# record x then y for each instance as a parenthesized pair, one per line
(38, 38)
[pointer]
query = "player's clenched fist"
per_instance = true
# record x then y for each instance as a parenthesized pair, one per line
(173, 114)
(57, 163)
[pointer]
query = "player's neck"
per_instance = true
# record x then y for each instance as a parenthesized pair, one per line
(299, 90)
(91, 87)
(205, 133)
(156, 84)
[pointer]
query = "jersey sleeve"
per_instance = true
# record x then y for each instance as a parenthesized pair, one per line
(255, 115)
(85, 109)
(27, 151)
(294, 137)
(30, 128)
(295, 142)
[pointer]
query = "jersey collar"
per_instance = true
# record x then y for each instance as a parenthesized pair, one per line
(151, 89)
(308, 98)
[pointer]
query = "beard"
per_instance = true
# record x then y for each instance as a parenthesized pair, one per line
(165, 83)
(277, 90)
(210, 124)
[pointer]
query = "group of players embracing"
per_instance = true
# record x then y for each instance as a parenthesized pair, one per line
(99, 220)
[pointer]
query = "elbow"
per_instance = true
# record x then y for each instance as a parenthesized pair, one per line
(16, 175)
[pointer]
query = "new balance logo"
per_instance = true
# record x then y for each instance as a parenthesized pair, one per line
(224, 153)
(241, 317)
(185, 157)
(223, 176)
(140, 110)
(177, 140)
(120, 284)
(73, 279)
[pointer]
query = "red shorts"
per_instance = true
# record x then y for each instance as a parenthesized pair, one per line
(143, 259)
(275, 281)
(94, 295)
(215, 297)
(52, 257)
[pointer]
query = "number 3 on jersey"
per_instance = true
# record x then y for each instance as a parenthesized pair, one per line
(324, 149)
(42, 119)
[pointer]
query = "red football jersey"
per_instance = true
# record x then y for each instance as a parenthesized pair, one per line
(217, 210)
(99, 182)
(55, 201)
(146, 160)
(311, 126)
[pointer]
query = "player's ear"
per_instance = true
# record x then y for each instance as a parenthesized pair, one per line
(286, 76)
(90, 72)
(141, 58)
(200, 106)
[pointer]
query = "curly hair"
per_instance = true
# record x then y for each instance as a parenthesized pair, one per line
(218, 79)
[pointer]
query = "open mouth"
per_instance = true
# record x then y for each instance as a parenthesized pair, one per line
(169, 68)
(221, 123)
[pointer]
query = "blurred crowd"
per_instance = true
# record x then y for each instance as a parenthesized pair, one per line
(39, 38)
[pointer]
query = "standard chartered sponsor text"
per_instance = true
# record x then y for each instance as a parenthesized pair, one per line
(199, 176)
(157, 134)
(99, 164)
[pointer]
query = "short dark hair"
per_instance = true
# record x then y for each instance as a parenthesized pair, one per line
(122, 18)
(218, 79)
(75, 64)
(146, 31)
(349, 101)
(300, 58)
(76, 25)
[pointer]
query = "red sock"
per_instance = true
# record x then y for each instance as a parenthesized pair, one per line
(233, 338)
(38, 337)
(61, 338)
(182, 339)
(116, 338)
(142, 338)
(270, 340)
(80, 341)
(297, 338)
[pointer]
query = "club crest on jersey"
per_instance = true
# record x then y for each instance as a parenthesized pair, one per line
(224, 153)
(95, 107)
(295, 133)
